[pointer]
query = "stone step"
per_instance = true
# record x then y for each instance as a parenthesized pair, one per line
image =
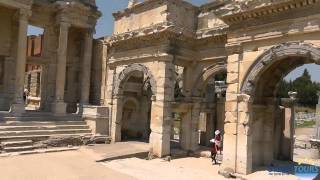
(16, 149)
(43, 132)
(41, 123)
(42, 127)
(17, 143)
(38, 137)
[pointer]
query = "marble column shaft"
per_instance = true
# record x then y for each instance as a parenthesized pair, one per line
(21, 57)
(62, 61)
(86, 68)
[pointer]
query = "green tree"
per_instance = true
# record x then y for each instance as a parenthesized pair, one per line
(303, 85)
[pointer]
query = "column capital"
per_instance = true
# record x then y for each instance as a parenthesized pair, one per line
(119, 97)
(64, 24)
(89, 31)
(244, 98)
(23, 14)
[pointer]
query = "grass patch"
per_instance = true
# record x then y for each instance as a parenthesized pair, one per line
(306, 124)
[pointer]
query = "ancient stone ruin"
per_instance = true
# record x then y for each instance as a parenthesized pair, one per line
(161, 64)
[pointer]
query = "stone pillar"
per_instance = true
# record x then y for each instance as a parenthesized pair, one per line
(185, 131)
(231, 116)
(244, 135)
(59, 106)
(161, 112)
(116, 119)
(318, 118)
(195, 114)
(286, 148)
(189, 127)
(18, 105)
(293, 97)
(210, 126)
(86, 68)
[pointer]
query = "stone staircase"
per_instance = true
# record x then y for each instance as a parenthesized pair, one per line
(18, 136)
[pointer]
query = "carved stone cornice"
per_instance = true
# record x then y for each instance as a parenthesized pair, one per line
(162, 56)
(241, 10)
(149, 4)
(165, 28)
(76, 12)
(18, 4)
(162, 31)
(212, 32)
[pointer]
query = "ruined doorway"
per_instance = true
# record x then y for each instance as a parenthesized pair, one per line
(136, 110)
(34, 68)
(212, 110)
(176, 131)
(33, 86)
(270, 117)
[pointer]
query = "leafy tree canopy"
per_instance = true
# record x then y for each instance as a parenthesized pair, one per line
(307, 90)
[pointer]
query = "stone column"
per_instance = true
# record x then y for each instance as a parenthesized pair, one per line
(195, 115)
(161, 112)
(293, 98)
(189, 127)
(59, 106)
(210, 127)
(18, 106)
(86, 68)
(116, 119)
(318, 118)
(185, 131)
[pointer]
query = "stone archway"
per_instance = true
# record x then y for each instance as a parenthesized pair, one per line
(144, 85)
(125, 74)
(258, 109)
(202, 114)
(204, 77)
(291, 49)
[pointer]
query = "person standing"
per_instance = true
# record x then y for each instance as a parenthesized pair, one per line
(25, 95)
(217, 146)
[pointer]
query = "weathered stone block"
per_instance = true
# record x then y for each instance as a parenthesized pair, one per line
(231, 117)
(231, 97)
(230, 128)
(244, 118)
(232, 88)
(233, 67)
(243, 106)
(233, 58)
(232, 78)
(230, 106)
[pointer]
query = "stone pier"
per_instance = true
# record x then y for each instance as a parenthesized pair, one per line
(317, 129)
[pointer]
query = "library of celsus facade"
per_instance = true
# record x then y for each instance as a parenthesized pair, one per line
(67, 48)
(168, 60)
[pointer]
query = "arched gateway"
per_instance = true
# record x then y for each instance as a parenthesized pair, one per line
(264, 124)
(134, 87)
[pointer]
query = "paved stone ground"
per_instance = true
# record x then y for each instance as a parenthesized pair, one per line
(71, 165)
(185, 169)
(121, 149)
(82, 165)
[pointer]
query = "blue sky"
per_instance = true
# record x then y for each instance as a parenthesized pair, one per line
(105, 27)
